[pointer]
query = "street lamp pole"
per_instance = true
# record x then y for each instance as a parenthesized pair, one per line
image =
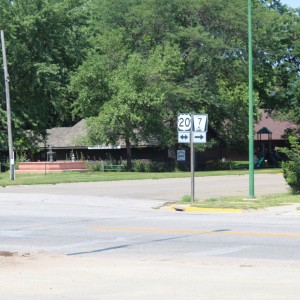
(251, 131)
(8, 111)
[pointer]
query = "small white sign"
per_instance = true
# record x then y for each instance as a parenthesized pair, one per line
(199, 137)
(180, 155)
(200, 122)
(103, 147)
(184, 137)
(184, 122)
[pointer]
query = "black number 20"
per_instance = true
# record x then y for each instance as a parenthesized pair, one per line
(184, 122)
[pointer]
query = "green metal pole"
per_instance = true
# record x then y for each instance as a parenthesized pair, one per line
(251, 134)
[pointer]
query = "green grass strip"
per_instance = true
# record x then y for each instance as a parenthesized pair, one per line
(241, 203)
(70, 177)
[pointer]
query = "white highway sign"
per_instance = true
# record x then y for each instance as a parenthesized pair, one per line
(192, 127)
(184, 137)
(200, 122)
(184, 122)
(199, 137)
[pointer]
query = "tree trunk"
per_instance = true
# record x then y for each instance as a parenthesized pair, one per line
(128, 153)
(172, 154)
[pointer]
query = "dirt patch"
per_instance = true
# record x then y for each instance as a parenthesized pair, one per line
(7, 253)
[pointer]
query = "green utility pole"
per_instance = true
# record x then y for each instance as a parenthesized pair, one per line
(251, 131)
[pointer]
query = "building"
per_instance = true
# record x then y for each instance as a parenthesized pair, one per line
(63, 143)
(270, 132)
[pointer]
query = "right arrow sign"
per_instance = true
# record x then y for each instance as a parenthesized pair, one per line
(199, 137)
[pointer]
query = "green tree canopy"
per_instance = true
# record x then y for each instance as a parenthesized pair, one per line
(211, 41)
(128, 60)
(45, 42)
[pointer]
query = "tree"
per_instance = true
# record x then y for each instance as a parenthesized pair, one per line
(133, 112)
(291, 93)
(280, 61)
(92, 56)
(45, 43)
(211, 38)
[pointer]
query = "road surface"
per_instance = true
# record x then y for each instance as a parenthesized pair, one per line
(115, 240)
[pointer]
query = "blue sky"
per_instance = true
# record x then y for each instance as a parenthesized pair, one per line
(291, 3)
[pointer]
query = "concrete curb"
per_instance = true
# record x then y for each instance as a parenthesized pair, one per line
(193, 209)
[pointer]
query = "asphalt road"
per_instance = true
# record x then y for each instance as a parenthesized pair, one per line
(163, 189)
(110, 240)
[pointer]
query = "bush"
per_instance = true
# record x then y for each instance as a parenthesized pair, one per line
(105, 165)
(291, 168)
(138, 166)
(214, 165)
(149, 166)
(4, 165)
(94, 165)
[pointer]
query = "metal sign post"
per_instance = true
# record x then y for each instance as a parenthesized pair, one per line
(192, 129)
(192, 171)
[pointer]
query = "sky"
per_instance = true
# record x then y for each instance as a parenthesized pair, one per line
(291, 3)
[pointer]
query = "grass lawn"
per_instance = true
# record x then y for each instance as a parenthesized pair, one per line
(240, 203)
(68, 177)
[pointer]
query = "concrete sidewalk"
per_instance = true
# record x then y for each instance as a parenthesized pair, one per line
(47, 276)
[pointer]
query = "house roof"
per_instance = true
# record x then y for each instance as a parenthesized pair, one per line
(264, 130)
(268, 125)
(65, 137)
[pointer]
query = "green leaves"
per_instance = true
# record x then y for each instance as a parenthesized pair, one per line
(45, 43)
(163, 57)
(291, 168)
(142, 62)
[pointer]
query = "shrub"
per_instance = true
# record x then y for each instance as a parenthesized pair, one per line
(214, 165)
(94, 165)
(105, 165)
(148, 166)
(291, 168)
(4, 165)
(162, 167)
(138, 166)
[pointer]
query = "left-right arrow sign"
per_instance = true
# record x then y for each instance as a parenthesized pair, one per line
(184, 137)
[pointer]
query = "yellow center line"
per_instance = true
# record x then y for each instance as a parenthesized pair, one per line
(160, 230)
